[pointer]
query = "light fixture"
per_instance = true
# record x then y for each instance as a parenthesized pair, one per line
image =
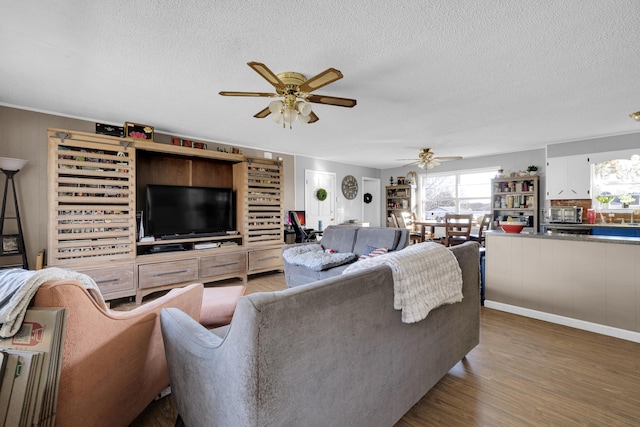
(635, 116)
(290, 110)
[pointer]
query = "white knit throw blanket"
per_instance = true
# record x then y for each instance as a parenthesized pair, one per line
(17, 288)
(425, 276)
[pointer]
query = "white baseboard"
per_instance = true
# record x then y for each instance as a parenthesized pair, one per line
(566, 321)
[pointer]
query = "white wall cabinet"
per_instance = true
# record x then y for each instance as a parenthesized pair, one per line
(568, 177)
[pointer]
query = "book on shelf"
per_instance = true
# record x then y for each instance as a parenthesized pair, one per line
(42, 333)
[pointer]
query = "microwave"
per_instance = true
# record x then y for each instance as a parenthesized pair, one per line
(565, 214)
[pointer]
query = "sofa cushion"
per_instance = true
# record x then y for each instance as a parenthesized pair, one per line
(339, 238)
(315, 258)
(376, 237)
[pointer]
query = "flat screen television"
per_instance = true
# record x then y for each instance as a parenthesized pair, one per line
(183, 210)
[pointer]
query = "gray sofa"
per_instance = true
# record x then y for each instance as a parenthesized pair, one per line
(342, 239)
(330, 353)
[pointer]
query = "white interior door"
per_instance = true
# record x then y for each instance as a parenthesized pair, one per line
(371, 210)
(317, 210)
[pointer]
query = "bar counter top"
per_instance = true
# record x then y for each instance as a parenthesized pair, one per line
(572, 237)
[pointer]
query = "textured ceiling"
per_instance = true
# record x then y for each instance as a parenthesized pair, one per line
(466, 78)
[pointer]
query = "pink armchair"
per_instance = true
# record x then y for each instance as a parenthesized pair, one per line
(113, 363)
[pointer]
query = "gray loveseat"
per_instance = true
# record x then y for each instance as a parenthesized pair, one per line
(343, 239)
(329, 353)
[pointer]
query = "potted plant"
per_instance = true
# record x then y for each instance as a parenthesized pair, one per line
(625, 199)
(532, 169)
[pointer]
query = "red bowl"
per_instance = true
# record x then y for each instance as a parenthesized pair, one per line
(512, 227)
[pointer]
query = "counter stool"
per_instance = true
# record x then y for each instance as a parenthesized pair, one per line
(218, 305)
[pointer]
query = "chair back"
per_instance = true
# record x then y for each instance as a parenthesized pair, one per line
(457, 228)
(394, 220)
(302, 235)
(485, 224)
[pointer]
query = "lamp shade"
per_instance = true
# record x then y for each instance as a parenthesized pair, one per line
(9, 164)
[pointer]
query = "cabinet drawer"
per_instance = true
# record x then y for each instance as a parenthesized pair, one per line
(166, 273)
(112, 280)
(218, 265)
(265, 259)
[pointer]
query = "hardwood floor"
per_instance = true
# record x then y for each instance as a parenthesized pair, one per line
(523, 372)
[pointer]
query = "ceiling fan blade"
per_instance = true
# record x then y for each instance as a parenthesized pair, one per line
(329, 75)
(448, 158)
(332, 100)
(411, 164)
(266, 94)
(313, 118)
(262, 113)
(268, 75)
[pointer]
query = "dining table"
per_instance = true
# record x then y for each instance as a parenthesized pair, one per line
(431, 224)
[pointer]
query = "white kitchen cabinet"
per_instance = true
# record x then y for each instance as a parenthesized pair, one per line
(568, 177)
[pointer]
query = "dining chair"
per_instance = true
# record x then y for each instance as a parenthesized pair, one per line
(484, 225)
(408, 219)
(394, 220)
(457, 228)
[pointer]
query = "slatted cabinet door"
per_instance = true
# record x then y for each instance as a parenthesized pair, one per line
(259, 188)
(92, 219)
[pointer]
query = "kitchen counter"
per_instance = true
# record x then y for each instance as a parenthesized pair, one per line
(583, 281)
(573, 237)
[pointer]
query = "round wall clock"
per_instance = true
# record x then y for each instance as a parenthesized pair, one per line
(350, 187)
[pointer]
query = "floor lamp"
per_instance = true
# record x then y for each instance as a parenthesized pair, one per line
(10, 167)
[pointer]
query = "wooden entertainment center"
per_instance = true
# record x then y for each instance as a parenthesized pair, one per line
(97, 185)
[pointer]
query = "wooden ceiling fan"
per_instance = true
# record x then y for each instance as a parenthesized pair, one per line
(427, 159)
(295, 89)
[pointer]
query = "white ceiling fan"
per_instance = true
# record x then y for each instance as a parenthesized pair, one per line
(427, 159)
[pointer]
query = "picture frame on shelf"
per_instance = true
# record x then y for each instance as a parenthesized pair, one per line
(138, 131)
(10, 244)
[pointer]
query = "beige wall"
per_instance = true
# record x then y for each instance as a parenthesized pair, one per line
(23, 134)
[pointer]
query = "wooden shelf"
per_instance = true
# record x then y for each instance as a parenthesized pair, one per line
(515, 197)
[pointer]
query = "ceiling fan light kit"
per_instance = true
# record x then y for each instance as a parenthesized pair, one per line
(427, 159)
(295, 89)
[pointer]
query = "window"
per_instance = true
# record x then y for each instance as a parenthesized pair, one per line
(616, 183)
(459, 192)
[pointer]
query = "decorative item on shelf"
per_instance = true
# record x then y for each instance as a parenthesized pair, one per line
(321, 194)
(412, 177)
(500, 173)
(139, 131)
(532, 170)
(390, 180)
(368, 198)
(400, 180)
(109, 130)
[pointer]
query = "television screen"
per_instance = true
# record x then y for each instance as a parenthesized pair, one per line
(173, 209)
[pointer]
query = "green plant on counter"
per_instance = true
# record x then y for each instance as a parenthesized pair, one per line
(605, 198)
(626, 198)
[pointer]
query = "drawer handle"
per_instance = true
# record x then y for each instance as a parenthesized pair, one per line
(106, 281)
(171, 272)
(224, 265)
(266, 258)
